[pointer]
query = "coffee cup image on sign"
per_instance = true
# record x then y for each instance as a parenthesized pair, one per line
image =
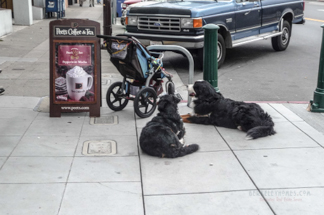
(78, 82)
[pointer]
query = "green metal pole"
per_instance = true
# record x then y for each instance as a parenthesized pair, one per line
(210, 55)
(317, 105)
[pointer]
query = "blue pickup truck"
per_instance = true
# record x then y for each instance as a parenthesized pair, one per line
(240, 22)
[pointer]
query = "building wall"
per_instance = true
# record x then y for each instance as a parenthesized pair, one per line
(23, 13)
(6, 22)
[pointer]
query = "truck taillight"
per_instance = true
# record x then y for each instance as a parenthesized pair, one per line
(304, 6)
(126, 20)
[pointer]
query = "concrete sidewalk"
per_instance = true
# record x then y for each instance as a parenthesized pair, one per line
(43, 169)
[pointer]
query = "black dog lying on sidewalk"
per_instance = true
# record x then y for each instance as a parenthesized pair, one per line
(161, 136)
(211, 108)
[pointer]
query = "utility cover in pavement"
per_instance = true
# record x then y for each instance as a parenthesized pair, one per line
(99, 148)
(104, 120)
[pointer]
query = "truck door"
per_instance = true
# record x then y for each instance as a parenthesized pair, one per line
(247, 18)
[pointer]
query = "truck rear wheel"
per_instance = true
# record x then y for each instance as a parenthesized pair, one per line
(281, 42)
(221, 52)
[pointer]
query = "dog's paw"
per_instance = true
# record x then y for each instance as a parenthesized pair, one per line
(248, 137)
(181, 141)
(185, 118)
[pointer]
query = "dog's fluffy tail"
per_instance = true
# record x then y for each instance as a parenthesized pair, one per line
(260, 131)
(187, 150)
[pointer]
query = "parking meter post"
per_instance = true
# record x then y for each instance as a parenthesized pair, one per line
(210, 55)
(317, 104)
(107, 17)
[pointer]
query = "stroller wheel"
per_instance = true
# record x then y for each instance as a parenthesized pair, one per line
(169, 86)
(116, 98)
(145, 102)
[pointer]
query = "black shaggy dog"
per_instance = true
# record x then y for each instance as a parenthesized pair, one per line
(211, 108)
(161, 136)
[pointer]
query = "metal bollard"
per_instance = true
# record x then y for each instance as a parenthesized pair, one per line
(317, 105)
(210, 55)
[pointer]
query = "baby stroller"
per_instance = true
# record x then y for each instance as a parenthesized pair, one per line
(143, 75)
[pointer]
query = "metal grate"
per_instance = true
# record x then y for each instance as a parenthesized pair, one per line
(99, 148)
(159, 24)
(104, 120)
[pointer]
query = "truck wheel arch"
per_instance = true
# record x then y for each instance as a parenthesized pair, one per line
(226, 35)
(288, 15)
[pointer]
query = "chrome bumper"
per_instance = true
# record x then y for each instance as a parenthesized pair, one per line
(189, 42)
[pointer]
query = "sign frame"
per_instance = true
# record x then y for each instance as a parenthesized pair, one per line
(74, 36)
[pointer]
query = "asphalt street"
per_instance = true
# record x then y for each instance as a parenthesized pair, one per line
(255, 72)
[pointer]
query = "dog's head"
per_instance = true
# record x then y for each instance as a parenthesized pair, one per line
(168, 103)
(202, 89)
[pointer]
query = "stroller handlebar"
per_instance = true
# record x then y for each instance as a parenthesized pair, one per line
(115, 37)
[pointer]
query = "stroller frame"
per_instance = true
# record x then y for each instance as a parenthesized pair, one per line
(139, 69)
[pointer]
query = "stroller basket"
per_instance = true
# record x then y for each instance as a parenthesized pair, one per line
(121, 48)
(129, 56)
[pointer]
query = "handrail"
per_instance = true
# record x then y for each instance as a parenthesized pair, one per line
(183, 51)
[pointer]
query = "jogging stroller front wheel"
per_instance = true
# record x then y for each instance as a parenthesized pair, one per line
(116, 97)
(145, 102)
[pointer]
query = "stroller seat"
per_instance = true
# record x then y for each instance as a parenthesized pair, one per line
(132, 59)
(142, 72)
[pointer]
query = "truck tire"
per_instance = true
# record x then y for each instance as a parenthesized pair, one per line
(281, 42)
(221, 52)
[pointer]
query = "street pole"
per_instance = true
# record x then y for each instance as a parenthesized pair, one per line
(210, 55)
(107, 17)
(317, 104)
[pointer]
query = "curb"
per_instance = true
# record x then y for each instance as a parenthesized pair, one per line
(277, 102)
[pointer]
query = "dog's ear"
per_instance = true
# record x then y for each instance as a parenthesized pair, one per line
(176, 100)
(162, 104)
(198, 88)
(164, 100)
(167, 103)
(204, 88)
(210, 88)
(221, 95)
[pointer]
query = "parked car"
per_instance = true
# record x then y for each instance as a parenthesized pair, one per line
(124, 6)
(129, 2)
(240, 21)
(139, 4)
